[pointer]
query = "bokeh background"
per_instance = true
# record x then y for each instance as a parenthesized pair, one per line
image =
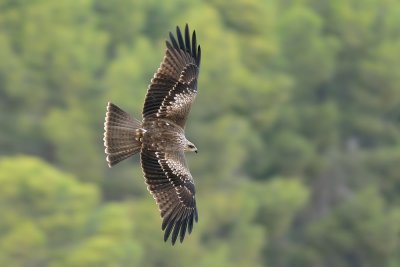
(297, 122)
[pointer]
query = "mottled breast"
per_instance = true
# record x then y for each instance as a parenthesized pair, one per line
(162, 135)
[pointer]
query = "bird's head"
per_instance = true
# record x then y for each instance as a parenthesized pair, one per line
(190, 147)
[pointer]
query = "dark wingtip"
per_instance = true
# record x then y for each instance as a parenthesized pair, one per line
(168, 44)
(198, 58)
(190, 223)
(196, 215)
(175, 233)
(168, 231)
(180, 38)
(183, 228)
(194, 44)
(185, 42)
(173, 40)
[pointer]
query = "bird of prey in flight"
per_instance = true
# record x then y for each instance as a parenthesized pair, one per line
(160, 136)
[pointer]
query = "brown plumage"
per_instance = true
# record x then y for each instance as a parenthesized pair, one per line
(160, 137)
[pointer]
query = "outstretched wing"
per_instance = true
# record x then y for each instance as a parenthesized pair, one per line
(174, 86)
(171, 184)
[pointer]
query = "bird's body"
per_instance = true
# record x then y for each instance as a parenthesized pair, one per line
(160, 136)
(163, 135)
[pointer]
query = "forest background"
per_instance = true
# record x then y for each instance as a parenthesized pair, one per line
(297, 122)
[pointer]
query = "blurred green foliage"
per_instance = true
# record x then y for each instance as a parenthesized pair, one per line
(297, 122)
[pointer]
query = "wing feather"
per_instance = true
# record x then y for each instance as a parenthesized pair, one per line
(180, 39)
(171, 184)
(187, 40)
(179, 69)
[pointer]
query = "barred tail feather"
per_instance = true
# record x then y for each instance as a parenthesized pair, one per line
(122, 135)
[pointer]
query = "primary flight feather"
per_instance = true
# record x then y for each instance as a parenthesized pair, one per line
(160, 136)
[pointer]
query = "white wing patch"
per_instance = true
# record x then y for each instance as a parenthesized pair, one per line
(177, 165)
(176, 107)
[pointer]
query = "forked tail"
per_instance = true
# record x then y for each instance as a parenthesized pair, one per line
(122, 135)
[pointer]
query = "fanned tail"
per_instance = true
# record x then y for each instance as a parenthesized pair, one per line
(122, 135)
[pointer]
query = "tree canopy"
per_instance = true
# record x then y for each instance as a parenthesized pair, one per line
(297, 122)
